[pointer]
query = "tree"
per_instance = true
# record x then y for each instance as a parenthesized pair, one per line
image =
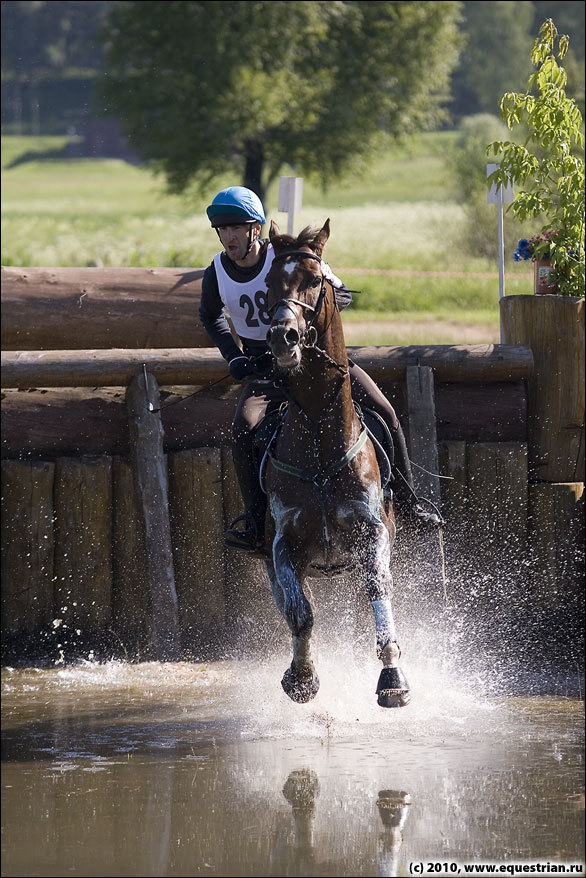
(204, 87)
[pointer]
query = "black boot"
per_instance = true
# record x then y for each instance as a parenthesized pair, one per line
(417, 510)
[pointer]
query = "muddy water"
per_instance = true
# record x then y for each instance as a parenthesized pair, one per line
(192, 769)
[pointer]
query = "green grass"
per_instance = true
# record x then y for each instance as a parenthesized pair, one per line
(399, 216)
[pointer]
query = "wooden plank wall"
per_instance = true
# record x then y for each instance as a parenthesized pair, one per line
(73, 556)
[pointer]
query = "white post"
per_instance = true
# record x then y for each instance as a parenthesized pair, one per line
(290, 192)
(499, 197)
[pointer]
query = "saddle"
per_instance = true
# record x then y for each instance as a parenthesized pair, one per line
(267, 431)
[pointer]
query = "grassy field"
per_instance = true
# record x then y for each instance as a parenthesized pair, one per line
(400, 219)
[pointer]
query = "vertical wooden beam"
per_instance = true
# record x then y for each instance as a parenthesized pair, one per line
(83, 546)
(422, 432)
(131, 598)
(197, 524)
(248, 595)
(27, 546)
(497, 495)
(150, 470)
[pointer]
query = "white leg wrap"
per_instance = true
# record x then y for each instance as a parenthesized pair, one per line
(385, 624)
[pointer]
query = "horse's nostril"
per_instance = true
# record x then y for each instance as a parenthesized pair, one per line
(292, 337)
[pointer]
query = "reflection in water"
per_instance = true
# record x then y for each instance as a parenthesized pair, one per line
(393, 806)
(180, 770)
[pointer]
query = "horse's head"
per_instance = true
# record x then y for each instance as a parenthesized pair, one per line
(296, 293)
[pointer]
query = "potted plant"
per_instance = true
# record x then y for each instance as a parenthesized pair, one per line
(538, 249)
(549, 177)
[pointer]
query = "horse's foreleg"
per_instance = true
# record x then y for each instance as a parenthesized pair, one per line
(392, 688)
(300, 681)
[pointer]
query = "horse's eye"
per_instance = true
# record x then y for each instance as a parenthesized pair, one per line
(316, 282)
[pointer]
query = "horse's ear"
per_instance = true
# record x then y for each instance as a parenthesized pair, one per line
(274, 230)
(320, 240)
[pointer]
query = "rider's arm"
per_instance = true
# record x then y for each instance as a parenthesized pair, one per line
(212, 316)
(341, 292)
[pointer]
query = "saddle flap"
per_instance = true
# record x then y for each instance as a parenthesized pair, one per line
(382, 440)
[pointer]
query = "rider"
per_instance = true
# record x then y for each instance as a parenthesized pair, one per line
(235, 281)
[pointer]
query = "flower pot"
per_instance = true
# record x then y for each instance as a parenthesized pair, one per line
(541, 271)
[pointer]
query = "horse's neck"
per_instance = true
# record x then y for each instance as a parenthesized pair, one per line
(316, 388)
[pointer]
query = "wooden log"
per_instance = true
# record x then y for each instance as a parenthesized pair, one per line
(557, 548)
(56, 422)
(553, 326)
(27, 546)
(421, 432)
(62, 308)
(83, 547)
(497, 496)
(150, 469)
(197, 519)
(92, 368)
(131, 598)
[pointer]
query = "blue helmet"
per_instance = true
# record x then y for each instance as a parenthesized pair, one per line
(235, 205)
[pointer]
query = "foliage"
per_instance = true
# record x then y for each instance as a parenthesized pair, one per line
(537, 247)
(466, 159)
(551, 176)
(246, 87)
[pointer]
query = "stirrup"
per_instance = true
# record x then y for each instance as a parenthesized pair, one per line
(246, 539)
(420, 516)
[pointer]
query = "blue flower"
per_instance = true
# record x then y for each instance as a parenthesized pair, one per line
(523, 251)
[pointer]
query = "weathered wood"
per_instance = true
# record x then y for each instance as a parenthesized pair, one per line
(196, 511)
(453, 485)
(150, 469)
(557, 546)
(61, 308)
(131, 598)
(248, 596)
(56, 422)
(27, 546)
(553, 326)
(495, 412)
(83, 546)
(497, 495)
(92, 368)
(421, 432)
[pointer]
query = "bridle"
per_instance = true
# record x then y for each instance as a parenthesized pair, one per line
(310, 337)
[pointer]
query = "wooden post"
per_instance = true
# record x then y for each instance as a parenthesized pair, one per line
(248, 595)
(83, 547)
(553, 326)
(195, 491)
(497, 496)
(422, 431)
(557, 544)
(146, 436)
(131, 598)
(27, 546)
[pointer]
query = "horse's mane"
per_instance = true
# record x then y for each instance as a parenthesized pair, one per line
(305, 238)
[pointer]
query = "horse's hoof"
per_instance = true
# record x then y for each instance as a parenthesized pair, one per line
(392, 688)
(300, 689)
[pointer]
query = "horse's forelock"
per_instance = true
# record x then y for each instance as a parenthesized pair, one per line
(305, 238)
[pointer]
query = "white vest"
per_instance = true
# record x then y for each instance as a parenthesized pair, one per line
(246, 302)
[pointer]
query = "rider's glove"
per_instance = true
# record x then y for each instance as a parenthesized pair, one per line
(240, 367)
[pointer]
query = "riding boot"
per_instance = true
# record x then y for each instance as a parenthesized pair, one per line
(405, 498)
(251, 536)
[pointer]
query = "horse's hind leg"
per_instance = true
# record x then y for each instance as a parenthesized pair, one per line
(392, 689)
(300, 681)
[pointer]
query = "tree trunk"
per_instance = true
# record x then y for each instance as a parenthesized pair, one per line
(253, 167)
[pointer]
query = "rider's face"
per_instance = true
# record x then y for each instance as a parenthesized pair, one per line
(235, 240)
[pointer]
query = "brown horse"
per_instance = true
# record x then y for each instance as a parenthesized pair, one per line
(322, 478)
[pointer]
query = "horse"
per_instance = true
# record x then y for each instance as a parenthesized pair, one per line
(322, 479)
